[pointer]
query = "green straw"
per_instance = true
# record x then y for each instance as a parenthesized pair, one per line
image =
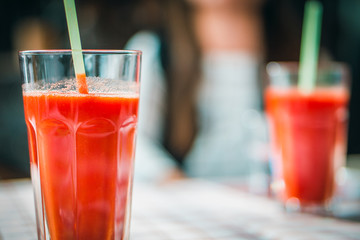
(310, 41)
(75, 43)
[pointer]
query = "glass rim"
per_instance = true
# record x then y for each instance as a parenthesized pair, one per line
(286, 74)
(294, 65)
(84, 51)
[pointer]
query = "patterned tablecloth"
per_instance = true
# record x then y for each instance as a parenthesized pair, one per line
(187, 210)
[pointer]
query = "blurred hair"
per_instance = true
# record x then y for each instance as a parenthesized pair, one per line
(282, 29)
(181, 60)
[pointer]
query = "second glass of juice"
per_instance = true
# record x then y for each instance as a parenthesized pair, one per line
(81, 144)
(308, 133)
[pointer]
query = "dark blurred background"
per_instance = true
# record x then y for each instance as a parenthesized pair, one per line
(108, 24)
(41, 24)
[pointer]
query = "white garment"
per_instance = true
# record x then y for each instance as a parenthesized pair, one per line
(229, 114)
(228, 107)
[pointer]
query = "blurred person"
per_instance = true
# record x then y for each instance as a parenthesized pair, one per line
(202, 81)
(229, 34)
(200, 107)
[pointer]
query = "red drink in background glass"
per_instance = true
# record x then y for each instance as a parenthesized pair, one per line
(308, 135)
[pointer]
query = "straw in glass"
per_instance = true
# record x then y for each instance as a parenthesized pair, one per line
(75, 43)
(310, 41)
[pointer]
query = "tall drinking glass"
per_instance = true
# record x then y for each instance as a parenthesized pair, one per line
(81, 145)
(308, 135)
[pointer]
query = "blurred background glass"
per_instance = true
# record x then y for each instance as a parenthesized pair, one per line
(112, 24)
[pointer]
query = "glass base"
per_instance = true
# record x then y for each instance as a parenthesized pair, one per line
(293, 205)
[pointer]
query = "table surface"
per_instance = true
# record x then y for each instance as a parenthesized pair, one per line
(187, 210)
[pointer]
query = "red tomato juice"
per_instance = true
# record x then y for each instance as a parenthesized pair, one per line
(81, 153)
(308, 136)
